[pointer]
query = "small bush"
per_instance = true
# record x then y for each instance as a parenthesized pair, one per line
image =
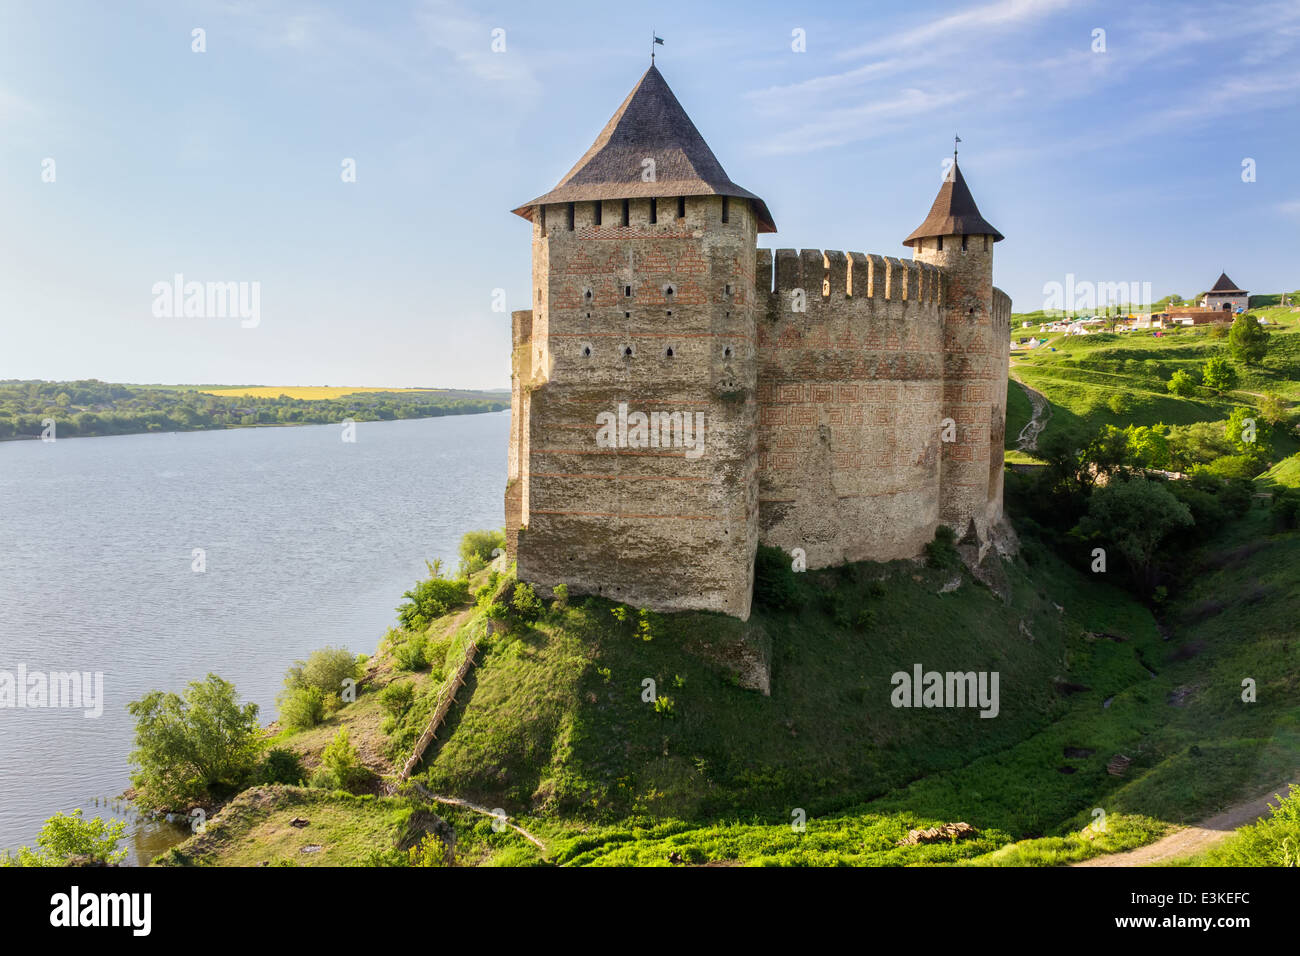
(68, 835)
(396, 699)
(561, 597)
(412, 654)
(942, 551)
(281, 765)
(476, 549)
(302, 708)
(342, 761)
(326, 669)
(431, 599)
(775, 585)
(526, 604)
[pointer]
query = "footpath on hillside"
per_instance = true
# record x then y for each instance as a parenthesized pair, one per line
(1197, 837)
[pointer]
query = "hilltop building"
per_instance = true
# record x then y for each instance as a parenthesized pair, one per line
(680, 395)
(1226, 296)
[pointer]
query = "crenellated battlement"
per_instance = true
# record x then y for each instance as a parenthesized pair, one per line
(834, 276)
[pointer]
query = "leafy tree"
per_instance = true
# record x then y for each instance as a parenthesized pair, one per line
(191, 746)
(1249, 435)
(68, 835)
(325, 669)
(476, 549)
(1272, 409)
(1182, 384)
(1135, 516)
(1148, 446)
(1218, 374)
(1248, 340)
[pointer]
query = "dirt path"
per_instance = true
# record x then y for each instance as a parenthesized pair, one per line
(459, 802)
(1027, 440)
(1201, 836)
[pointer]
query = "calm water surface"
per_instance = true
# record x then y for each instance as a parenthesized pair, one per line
(308, 541)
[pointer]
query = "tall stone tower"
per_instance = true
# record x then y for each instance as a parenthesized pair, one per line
(633, 454)
(976, 349)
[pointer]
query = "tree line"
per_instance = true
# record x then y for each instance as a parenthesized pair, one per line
(91, 407)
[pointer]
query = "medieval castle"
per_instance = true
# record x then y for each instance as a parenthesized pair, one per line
(680, 396)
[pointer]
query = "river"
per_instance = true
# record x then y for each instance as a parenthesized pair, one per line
(156, 559)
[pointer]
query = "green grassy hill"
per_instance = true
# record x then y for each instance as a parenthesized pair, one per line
(1122, 378)
(552, 727)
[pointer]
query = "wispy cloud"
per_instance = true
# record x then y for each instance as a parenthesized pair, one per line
(967, 25)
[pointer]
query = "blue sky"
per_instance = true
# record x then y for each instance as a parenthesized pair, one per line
(1122, 165)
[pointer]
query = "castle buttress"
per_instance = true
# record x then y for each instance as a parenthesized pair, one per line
(679, 395)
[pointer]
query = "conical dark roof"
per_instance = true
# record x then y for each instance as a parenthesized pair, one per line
(1225, 284)
(954, 213)
(650, 124)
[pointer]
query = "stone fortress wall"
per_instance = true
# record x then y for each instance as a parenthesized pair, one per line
(853, 402)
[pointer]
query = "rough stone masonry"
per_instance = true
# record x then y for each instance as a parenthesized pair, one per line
(842, 403)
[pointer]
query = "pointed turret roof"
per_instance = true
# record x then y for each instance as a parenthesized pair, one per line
(954, 212)
(1225, 284)
(650, 124)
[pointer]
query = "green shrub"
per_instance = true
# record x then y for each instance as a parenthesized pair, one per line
(301, 708)
(775, 584)
(190, 746)
(281, 765)
(1182, 384)
(476, 549)
(412, 654)
(326, 669)
(942, 551)
(396, 699)
(342, 762)
(68, 835)
(561, 597)
(526, 604)
(430, 599)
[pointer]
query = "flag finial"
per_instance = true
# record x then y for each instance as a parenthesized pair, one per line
(955, 141)
(653, 40)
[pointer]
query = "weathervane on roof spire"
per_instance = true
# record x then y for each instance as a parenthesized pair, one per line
(955, 141)
(653, 40)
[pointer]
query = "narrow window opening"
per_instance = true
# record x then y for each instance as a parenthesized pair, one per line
(627, 292)
(586, 350)
(625, 211)
(586, 294)
(654, 210)
(570, 217)
(986, 243)
(541, 219)
(627, 315)
(596, 212)
(681, 207)
(726, 353)
(670, 312)
(963, 243)
(627, 352)
(669, 352)
(728, 289)
(726, 208)
(938, 244)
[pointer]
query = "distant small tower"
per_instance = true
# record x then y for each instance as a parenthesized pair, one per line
(957, 239)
